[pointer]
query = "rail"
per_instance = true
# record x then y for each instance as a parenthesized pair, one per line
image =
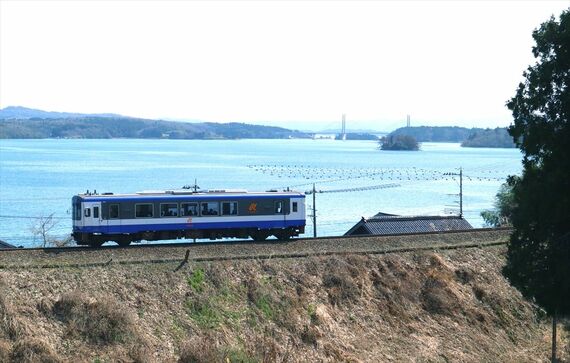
(233, 250)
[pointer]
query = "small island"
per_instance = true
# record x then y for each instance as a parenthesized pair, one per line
(399, 142)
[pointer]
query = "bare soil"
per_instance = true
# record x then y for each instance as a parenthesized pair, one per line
(374, 301)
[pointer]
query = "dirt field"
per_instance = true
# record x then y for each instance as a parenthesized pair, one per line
(373, 301)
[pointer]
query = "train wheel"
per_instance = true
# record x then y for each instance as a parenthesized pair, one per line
(283, 235)
(259, 236)
(124, 242)
(96, 243)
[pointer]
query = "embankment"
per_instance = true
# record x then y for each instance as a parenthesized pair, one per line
(370, 303)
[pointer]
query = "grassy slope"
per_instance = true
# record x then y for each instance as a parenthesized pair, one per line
(447, 306)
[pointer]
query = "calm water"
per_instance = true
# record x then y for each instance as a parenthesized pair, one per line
(39, 177)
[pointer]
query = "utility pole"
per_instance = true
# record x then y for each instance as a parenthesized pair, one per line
(460, 192)
(314, 212)
(460, 174)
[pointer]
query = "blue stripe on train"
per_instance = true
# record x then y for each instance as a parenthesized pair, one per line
(178, 197)
(182, 226)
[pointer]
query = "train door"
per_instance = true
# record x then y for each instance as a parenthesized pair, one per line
(92, 215)
(112, 222)
(280, 209)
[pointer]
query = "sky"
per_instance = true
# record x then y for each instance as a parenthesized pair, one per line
(298, 64)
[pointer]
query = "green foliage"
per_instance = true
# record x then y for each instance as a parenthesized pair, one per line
(204, 312)
(312, 312)
(498, 137)
(399, 142)
(500, 216)
(539, 250)
(239, 356)
(196, 281)
(263, 303)
(209, 307)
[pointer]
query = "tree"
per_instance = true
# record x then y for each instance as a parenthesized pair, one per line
(42, 228)
(502, 212)
(538, 258)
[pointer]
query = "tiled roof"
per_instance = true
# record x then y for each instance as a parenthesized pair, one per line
(5, 245)
(383, 223)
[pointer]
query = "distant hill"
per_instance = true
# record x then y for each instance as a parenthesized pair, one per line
(106, 128)
(474, 137)
(25, 123)
(22, 113)
(498, 137)
(435, 133)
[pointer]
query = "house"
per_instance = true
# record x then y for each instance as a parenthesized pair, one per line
(5, 245)
(382, 224)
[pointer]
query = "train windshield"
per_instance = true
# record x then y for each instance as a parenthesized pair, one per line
(76, 208)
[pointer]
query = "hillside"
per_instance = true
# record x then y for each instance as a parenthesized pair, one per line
(140, 305)
(24, 113)
(112, 127)
(498, 138)
(474, 137)
(26, 123)
(435, 133)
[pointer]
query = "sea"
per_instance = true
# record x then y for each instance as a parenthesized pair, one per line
(353, 179)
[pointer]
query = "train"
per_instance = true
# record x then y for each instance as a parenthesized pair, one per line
(186, 214)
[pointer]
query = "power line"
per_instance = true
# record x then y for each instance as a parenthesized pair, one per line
(32, 217)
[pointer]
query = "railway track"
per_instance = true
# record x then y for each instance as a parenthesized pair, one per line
(247, 249)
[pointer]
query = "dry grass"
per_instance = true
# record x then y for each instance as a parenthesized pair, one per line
(199, 350)
(452, 305)
(5, 350)
(33, 350)
(102, 321)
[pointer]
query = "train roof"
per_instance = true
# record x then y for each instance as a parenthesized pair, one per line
(201, 194)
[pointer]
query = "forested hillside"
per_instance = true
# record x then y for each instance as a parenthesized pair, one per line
(474, 137)
(124, 127)
(435, 133)
(498, 137)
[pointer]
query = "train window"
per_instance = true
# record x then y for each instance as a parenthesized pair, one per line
(87, 212)
(210, 208)
(279, 207)
(229, 208)
(113, 211)
(95, 212)
(169, 210)
(295, 206)
(188, 209)
(144, 210)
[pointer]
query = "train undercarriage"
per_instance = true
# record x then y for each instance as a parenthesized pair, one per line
(96, 240)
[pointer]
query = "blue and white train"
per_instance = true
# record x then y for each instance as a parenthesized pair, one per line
(167, 215)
